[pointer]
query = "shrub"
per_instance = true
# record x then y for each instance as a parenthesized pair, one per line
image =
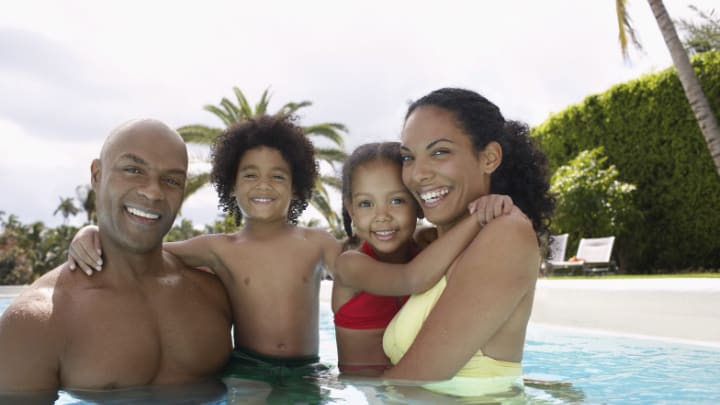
(651, 136)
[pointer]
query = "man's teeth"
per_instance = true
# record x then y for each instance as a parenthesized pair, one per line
(142, 214)
(433, 195)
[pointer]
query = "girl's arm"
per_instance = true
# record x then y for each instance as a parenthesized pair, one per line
(486, 295)
(357, 270)
(85, 251)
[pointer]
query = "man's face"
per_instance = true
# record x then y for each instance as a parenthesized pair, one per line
(140, 184)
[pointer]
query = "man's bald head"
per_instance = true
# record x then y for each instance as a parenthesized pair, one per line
(139, 182)
(150, 129)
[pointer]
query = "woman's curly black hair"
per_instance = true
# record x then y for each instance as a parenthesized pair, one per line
(523, 173)
(277, 132)
(366, 153)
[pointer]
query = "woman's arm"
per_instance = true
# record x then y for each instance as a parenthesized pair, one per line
(482, 298)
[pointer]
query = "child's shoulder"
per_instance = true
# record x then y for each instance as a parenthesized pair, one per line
(317, 234)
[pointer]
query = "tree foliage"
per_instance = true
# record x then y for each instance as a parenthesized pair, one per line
(702, 36)
(591, 201)
(650, 135)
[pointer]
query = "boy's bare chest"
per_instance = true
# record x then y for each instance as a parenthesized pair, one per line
(293, 259)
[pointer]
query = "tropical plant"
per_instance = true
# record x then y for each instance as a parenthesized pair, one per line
(591, 201)
(230, 113)
(703, 36)
(66, 208)
(693, 91)
(29, 251)
(86, 197)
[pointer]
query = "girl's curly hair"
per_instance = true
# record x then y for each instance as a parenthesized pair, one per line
(523, 173)
(277, 132)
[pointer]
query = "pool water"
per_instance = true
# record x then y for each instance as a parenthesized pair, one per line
(582, 368)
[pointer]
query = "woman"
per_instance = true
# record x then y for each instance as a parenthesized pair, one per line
(470, 327)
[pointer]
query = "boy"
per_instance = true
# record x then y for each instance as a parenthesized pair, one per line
(264, 172)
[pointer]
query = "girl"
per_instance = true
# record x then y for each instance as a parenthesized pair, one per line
(379, 210)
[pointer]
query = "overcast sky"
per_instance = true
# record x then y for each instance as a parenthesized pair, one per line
(70, 71)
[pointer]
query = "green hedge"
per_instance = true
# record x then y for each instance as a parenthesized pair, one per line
(650, 134)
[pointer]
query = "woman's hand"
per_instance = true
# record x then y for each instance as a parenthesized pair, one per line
(85, 250)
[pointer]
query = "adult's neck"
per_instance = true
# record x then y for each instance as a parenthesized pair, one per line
(129, 264)
(446, 227)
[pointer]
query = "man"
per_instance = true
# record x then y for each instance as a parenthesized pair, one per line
(146, 319)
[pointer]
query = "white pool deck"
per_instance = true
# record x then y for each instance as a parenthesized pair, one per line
(676, 309)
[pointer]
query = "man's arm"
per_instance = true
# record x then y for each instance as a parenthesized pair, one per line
(29, 344)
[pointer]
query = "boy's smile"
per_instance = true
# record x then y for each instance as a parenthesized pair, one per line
(263, 188)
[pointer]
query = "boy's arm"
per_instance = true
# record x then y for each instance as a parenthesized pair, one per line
(28, 348)
(357, 270)
(85, 251)
(331, 248)
(197, 252)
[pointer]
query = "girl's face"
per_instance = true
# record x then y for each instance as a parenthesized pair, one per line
(263, 187)
(441, 167)
(382, 210)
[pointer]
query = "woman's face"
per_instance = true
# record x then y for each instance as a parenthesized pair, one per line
(441, 167)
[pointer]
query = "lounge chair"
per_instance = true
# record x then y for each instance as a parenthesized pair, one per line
(556, 256)
(597, 253)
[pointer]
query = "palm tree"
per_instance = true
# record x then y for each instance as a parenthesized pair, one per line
(694, 93)
(231, 113)
(66, 208)
(86, 197)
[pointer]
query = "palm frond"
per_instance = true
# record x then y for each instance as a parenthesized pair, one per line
(625, 28)
(330, 155)
(321, 203)
(200, 134)
(332, 181)
(243, 103)
(262, 105)
(292, 107)
(224, 116)
(194, 183)
(232, 110)
(328, 130)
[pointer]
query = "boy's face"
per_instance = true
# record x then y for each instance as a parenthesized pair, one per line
(382, 209)
(263, 188)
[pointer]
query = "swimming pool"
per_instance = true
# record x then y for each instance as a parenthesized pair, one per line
(593, 368)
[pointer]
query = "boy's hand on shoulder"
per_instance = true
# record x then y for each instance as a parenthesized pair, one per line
(85, 251)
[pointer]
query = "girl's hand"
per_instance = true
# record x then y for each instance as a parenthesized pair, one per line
(489, 207)
(85, 250)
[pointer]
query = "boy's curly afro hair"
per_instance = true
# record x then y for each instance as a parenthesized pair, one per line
(277, 132)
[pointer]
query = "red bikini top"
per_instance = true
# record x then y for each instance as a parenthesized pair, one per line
(368, 311)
